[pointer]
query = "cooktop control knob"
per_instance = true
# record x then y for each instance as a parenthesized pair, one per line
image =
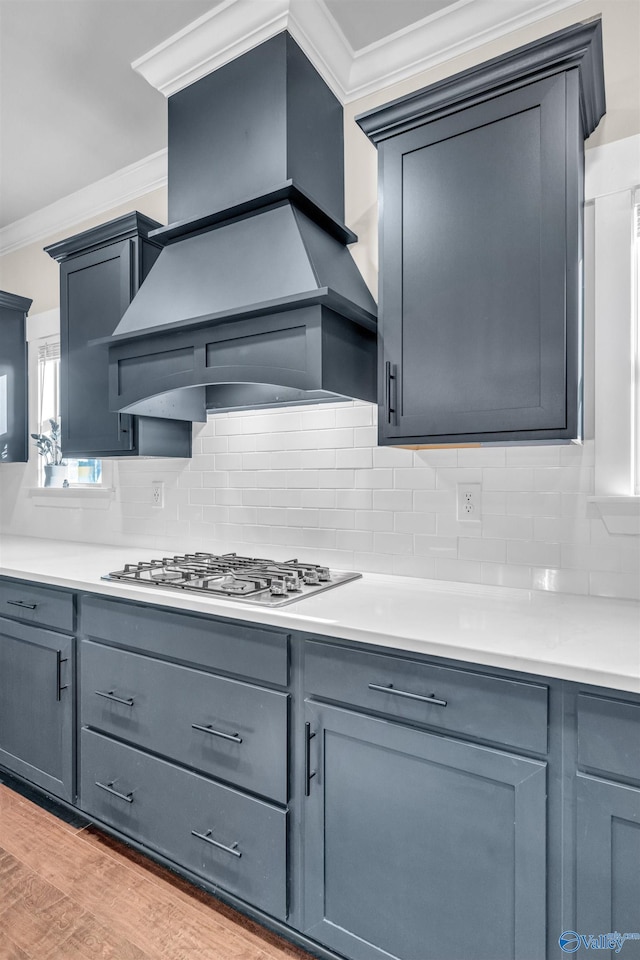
(311, 577)
(323, 574)
(278, 588)
(293, 582)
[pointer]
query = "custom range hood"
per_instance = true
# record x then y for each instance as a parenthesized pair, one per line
(254, 299)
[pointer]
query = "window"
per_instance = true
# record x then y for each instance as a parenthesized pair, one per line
(78, 472)
(636, 326)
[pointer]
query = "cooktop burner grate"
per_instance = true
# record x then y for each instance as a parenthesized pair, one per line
(267, 582)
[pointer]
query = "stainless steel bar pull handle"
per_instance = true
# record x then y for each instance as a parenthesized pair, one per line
(108, 786)
(217, 733)
(233, 849)
(110, 695)
(389, 688)
(23, 604)
(309, 774)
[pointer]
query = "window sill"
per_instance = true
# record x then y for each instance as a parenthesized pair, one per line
(92, 498)
(621, 515)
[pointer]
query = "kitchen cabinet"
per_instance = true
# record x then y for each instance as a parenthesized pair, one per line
(13, 378)
(403, 827)
(100, 272)
(37, 691)
(608, 819)
(363, 801)
(181, 750)
(481, 188)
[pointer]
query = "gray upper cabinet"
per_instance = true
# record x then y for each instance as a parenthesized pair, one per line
(481, 178)
(100, 272)
(13, 378)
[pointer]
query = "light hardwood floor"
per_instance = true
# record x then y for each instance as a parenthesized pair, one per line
(70, 892)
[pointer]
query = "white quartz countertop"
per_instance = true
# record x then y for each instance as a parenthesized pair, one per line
(585, 639)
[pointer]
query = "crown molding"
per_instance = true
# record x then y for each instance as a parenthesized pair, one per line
(236, 26)
(119, 188)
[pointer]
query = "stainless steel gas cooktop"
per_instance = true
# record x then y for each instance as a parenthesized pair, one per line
(229, 576)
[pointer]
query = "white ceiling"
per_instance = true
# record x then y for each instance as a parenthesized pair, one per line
(71, 108)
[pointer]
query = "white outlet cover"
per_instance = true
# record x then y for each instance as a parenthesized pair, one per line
(469, 502)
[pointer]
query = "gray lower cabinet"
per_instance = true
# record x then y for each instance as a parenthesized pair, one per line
(420, 846)
(182, 757)
(230, 839)
(37, 706)
(608, 820)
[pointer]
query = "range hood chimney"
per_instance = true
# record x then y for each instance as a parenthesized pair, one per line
(254, 299)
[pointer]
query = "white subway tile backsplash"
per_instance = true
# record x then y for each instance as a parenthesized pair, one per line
(361, 540)
(464, 570)
(533, 553)
(228, 495)
(355, 416)
(324, 499)
(505, 575)
(415, 522)
(507, 528)
(313, 480)
(256, 498)
(479, 548)
(509, 478)
(609, 584)
(358, 458)
(374, 520)
(435, 546)
(414, 478)
(392, 500)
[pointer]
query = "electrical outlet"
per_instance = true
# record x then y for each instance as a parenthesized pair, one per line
(157, 493)
(469, 505)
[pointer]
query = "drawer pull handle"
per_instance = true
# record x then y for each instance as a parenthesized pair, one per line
(110, 695)
(233, 849)
(309, 774)
(23, 604)
(127, 797)
(389, 688)
(217, 733)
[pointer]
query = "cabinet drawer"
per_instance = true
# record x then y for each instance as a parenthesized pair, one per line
(237, 648)
(609, 735)
(163, 807)
(511, 712)
(40, 605)
(229, 729)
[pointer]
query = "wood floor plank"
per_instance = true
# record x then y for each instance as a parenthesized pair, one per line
(186, 892)
(116, 904)
(10, 951)
(37, 917)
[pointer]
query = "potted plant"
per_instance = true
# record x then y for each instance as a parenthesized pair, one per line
(48, 444)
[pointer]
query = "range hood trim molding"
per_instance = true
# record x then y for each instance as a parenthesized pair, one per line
(278, 195)
(323, 296)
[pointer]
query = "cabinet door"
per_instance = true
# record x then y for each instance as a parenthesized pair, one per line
(36, 706)
(608, 862)
(95, 290)
(479, 300)
(421, 846)
(13, 379)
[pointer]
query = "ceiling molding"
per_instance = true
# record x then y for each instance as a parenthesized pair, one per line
(127, 184)
(236, 26)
